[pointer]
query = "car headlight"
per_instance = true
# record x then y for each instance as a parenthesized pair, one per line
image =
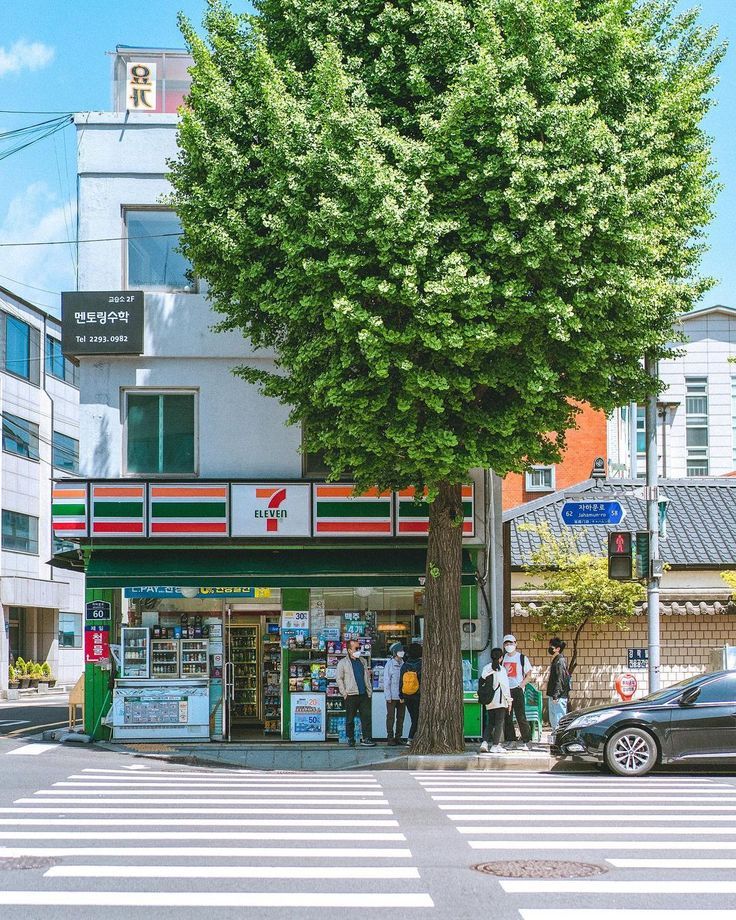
(593, 718)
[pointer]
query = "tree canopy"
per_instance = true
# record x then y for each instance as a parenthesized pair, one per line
(447, 218)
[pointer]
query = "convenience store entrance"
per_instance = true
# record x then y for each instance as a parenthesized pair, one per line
(252, 676)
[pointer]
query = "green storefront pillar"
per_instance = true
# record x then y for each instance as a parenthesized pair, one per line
(98, 680)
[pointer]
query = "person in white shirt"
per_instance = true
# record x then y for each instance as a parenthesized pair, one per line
(500, 702)
(519, 670)
(395, 706)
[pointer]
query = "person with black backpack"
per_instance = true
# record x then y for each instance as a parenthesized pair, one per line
(410, 686)
(494, 695)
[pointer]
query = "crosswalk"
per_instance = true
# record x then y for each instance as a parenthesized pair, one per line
(661, 839)
(135, 837)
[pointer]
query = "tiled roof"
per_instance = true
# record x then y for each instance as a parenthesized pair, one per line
(701, 520)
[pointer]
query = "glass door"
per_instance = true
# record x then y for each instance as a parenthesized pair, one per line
(244, 648)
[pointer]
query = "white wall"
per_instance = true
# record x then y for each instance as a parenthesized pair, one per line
(122, 163)
(711, 342)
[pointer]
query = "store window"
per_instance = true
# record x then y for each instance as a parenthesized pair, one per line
(160, 431)
(66, 453)
(22, 349)
(154, 262)
(388, 615)
(70, 630)
(57, 365)
(16, 633)
(20, 532)
(20, 436)
(540, 479)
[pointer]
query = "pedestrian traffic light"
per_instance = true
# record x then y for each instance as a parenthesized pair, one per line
(642, 554)
(620, 561)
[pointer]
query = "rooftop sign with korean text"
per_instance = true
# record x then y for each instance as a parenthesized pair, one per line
(102, 322)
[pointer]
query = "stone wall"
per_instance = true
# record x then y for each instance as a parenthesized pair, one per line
(686, 646)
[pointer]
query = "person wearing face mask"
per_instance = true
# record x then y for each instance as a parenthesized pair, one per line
(519, 669)
(411, 685)
(558, 684)
(395, 706)
(354, 684)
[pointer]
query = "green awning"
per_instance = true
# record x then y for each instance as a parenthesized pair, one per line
(267, 568)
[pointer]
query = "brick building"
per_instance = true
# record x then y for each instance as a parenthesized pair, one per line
(584, 444)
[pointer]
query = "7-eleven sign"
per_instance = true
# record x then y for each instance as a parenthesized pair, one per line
(270, 510)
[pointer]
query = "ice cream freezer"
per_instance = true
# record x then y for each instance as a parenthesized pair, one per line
(161, 710)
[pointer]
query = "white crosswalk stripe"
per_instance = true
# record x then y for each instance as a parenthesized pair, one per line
(604, 819)
(303, 841)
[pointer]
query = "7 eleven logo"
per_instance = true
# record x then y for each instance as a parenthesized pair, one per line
(273, 510)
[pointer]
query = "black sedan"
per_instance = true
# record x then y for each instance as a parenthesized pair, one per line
(691, 722)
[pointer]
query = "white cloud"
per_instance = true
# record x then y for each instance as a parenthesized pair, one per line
(37, 214)
(24, 55)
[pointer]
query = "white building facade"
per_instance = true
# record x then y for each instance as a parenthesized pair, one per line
(40, 606)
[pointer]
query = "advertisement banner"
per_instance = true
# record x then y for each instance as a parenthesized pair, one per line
(270, 510)
(308, 716)
(102, 322)
(96, 644)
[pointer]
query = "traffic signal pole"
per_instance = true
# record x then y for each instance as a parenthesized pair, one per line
(652, 495)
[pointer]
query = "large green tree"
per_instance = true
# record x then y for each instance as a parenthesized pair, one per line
(448, 218)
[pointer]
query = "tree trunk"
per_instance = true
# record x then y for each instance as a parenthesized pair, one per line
(574, 658)
(441, 706)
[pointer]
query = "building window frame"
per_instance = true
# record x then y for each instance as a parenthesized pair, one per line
(733, 420)
(160, 392)
(189, 286)
(31, 370)
(75, 620)
(696, 427)
(71, 450)
(23, 426)
(540, 478)
(31, 548)
(57, 364)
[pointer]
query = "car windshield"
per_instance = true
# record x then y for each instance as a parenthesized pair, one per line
(668, 691)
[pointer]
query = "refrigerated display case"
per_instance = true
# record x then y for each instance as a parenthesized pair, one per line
(136, 648)
(164, 658)
(244, 674)
(272, 680)
(194, 660)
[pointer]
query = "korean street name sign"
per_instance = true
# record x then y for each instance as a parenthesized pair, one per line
(602, 513)
(102, 322)
(98, 612)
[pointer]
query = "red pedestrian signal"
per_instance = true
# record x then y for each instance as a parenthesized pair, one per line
(620, 556)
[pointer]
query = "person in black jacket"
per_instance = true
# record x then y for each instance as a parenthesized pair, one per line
(558, 685)
(412, 663)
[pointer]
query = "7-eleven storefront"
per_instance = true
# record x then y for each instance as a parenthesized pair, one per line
(219, 610)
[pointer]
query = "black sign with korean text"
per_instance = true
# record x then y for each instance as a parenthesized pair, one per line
(96, 612)
(102, 322)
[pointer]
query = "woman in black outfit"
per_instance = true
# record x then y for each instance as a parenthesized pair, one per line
(558, 685)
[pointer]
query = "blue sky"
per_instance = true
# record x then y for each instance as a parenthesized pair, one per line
(53, 57)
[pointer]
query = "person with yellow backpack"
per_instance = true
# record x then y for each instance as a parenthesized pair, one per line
(410, 687)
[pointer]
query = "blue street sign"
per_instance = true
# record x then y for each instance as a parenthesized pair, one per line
(579, 514)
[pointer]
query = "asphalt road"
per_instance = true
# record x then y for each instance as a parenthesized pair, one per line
(32, 714)
(107, 834)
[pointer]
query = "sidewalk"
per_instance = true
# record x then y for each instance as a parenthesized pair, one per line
(332, 756)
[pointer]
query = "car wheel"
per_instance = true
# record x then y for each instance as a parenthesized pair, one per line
(631, 752)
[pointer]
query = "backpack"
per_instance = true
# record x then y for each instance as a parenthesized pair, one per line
(409, 682)
(486, 690)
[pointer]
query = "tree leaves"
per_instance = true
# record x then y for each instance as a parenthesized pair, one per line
(447, 220)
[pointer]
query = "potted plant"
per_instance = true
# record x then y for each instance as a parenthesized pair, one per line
(46, 677)
(34, 673)
(21, 669)
(13, 681)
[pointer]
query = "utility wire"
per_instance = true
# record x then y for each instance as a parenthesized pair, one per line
(31, 286)
(102, 239)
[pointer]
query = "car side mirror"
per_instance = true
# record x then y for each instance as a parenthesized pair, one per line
(689, 696)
